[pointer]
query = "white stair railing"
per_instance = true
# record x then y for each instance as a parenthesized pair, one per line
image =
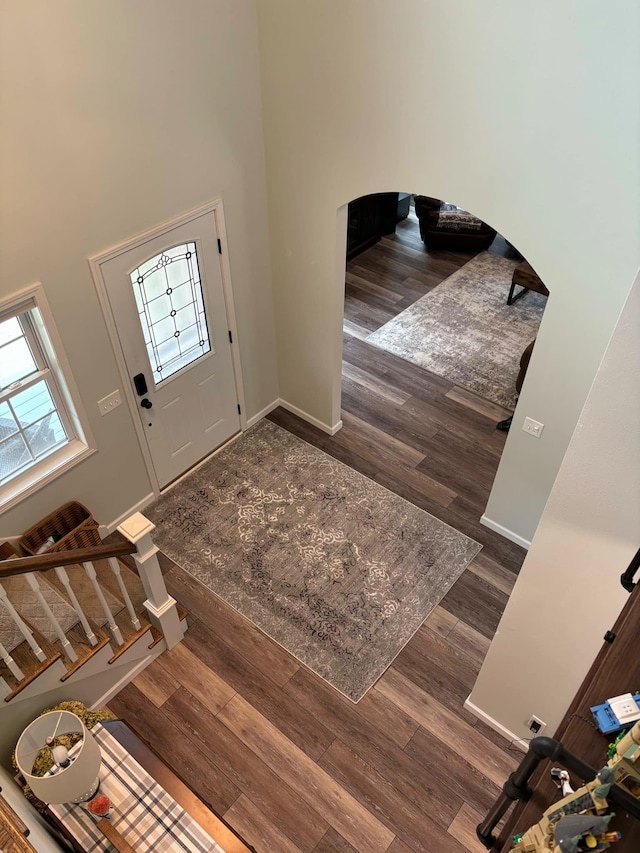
(21, 625)
(124, 592)
(12, 666)
(160, 606)
(161, 609)
(113, 627)
(63, 577)
(67, 648)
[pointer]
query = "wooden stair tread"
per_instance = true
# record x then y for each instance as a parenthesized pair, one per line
(35, 669)
(28, 662)
(130, 641)
(83, 649)
(22, 653)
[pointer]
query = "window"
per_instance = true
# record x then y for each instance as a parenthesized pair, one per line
(40, 430)
(168, 294)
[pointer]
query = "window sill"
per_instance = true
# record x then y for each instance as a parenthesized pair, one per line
(36, 478)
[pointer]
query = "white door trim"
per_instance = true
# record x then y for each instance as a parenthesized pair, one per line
(95, 265)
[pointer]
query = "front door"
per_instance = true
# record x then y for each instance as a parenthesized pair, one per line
(167, 300)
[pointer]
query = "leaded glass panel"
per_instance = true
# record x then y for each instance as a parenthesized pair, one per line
(168, 294)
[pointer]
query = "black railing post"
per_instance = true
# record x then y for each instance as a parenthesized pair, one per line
(627, 577)
(517, 788)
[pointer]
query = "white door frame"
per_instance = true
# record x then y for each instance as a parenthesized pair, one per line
(95, 265)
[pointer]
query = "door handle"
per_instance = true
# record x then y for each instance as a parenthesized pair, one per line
(146, 404)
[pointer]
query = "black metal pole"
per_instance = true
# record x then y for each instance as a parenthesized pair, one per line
(517, 788)
(626, 578)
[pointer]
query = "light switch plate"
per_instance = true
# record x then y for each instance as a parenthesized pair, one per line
(534, 428)
(109, 403)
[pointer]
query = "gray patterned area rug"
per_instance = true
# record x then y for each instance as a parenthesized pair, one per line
(331, 565)
(464, 331)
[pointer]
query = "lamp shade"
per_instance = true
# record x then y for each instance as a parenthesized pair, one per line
(75, 782)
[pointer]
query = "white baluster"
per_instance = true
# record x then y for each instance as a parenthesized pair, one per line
(115, 631)
(161, 607)
(63, 577)
(68, 649)
(11, 664)
(115, 568)
(22, 626)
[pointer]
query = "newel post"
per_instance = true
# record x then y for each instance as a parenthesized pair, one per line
(160, 606)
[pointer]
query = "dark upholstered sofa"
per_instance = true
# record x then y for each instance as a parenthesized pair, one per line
(444, 227)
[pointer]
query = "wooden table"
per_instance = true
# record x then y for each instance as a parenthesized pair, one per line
(527, 278)
(221, 833)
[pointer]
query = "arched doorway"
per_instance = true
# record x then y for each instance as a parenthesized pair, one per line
(434, 333)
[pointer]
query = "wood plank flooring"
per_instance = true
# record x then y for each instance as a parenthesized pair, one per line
(285, 759)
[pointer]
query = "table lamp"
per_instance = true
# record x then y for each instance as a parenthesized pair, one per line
(74, 776)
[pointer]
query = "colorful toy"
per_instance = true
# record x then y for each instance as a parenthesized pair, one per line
(579, 822)
(617, 713)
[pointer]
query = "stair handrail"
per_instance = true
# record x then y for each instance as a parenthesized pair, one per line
(44, 562)
(161, 608)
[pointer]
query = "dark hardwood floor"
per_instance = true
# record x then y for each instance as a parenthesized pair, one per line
(292, 765)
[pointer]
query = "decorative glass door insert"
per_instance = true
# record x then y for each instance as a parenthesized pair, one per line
(168, 294)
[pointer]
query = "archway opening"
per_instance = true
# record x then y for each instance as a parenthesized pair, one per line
(441, 314)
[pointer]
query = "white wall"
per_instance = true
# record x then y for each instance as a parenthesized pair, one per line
(116, 117)
(526, 115)
(568, 592)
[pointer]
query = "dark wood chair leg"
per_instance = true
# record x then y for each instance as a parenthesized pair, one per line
(511, 298)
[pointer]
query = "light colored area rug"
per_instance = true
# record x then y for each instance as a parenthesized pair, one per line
(464, 331)
(331, 565)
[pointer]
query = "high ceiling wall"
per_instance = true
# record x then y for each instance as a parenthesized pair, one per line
(115, 118)
(527, 115)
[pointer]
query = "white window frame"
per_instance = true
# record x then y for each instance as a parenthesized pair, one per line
(47, 350)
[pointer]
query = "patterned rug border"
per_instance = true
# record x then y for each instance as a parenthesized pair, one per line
(352, 473)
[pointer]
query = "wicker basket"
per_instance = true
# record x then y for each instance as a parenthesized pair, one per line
(75, 524)
(8, 552)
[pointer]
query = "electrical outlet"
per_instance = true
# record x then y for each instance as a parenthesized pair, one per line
(536, 726)
(534, 428)
(109, 403)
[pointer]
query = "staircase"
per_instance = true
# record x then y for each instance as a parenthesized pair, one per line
(69, 615)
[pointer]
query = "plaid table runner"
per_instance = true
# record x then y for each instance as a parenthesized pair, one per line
(142, 811)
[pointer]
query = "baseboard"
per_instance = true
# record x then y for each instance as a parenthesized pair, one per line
(130, 674)
(263, 413)
(331, 430)
(139, 507)
(496, 726)
(504, 531)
